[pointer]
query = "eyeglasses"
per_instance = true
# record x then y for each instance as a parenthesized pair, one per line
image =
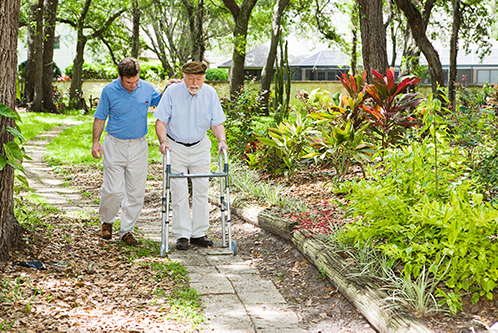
(193, 78)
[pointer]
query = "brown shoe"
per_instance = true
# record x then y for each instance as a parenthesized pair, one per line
(128, 239)
(106, 231)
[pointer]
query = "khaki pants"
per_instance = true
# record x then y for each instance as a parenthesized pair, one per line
(193, 160)
(125, 176)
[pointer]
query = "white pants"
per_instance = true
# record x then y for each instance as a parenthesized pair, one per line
(125, 176)
(194, 160)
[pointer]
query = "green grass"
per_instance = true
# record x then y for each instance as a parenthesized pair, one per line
(184, 302)
(180, 302)
(34, 123)
(31, 210)
(73, 146)
(246, 181)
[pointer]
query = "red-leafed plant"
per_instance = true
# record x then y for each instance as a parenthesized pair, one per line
(390, 102)
(320, 220)
(350, 106)
(347, 107)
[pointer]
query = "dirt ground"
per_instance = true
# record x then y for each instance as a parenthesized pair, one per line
(318, 304)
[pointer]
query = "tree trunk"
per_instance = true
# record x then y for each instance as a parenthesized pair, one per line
(48, 54)
(453, 52)
(267, 72)
(355, 26)
(75, 92)
(411, 54)
(237, 72)
(373, 36)
(354, 54)
(199, 46)
(76, 81)
(38, 92)
(195, 16)
(160, 49)
(418, 28)
(135, 39)
(75, 88)
(29, 88)
(10, 231)
(241, 16)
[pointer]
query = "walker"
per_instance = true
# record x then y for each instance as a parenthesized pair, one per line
(226, 221)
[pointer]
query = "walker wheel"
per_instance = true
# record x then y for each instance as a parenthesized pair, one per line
(234, 248)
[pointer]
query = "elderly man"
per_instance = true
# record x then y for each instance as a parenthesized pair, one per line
(124, 102)
(184, 115)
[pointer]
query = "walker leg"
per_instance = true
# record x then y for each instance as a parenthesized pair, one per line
(164, 243)
(233, 244)
(222, 207)
(165, 207)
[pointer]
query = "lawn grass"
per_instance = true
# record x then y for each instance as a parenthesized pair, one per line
(73, 146)
(34, 123)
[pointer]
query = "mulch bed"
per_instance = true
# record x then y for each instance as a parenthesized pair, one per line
(81, 266)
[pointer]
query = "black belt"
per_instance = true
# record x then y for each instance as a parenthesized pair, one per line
(183, 143)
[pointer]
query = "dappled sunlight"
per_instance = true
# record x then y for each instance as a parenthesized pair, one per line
(90, 283)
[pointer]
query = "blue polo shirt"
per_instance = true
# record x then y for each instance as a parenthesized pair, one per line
(127, 112)
(189, 117)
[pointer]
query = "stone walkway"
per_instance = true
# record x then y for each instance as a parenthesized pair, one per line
(43, 182)
(236, 298)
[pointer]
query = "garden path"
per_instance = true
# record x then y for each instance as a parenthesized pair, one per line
(235, 296)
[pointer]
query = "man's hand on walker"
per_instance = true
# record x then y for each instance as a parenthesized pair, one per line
(163, 147)
(222, 144)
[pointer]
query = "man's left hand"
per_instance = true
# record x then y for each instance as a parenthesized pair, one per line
(222, 144)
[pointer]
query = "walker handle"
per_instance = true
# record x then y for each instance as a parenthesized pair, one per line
(225, 155)
(168, 158)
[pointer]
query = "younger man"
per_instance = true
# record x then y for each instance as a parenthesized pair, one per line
(124, 103)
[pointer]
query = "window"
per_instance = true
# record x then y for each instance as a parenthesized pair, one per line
(311, 74)
(330, 76)
(57, 42)
(465, 75)
(490, 76)
(321, 76)
(493, 77)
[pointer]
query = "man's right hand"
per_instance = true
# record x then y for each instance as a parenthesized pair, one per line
(97, 150)
(163, 146)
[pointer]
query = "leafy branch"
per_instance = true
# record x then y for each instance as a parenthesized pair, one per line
(13, 154)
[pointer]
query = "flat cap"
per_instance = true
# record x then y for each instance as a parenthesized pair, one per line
(194, 67)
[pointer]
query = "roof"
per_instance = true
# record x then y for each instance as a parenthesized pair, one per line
(471, 59)
(256, 58)
(325, 58)
(328, 58)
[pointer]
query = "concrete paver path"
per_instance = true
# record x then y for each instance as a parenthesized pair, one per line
(236, 298)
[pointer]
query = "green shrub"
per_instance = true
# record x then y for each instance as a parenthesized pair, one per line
(91, 71)
(411, 217)
(152, 72)
(242, 120)
(290, 143)
(485, 169)
(216, 74)
(21, 70)
(95, 71)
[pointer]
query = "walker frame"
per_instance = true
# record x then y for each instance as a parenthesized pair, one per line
(223, 175)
